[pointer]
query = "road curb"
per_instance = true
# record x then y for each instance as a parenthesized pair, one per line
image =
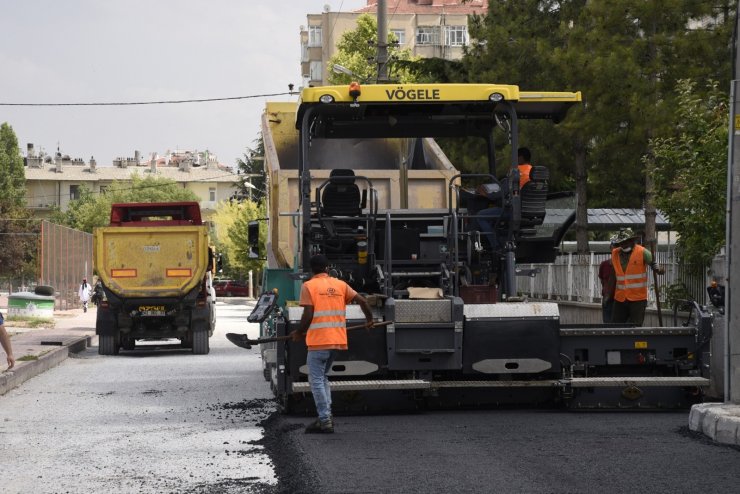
(718, 421)
(27, 370)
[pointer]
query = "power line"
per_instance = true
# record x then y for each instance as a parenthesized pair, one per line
(162, 102)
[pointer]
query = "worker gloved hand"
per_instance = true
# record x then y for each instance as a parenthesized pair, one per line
(296, 335)
(369, 324)
(658, 269)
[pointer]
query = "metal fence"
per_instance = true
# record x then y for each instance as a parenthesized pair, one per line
(65, 258)
(575, 277)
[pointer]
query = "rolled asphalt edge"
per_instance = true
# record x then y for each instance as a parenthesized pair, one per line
(74, 331)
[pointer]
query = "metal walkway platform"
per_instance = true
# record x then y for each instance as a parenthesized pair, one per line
(579, 382)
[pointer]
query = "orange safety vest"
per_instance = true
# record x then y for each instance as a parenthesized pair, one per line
(524, 171)
(632, 285)
(328, 326)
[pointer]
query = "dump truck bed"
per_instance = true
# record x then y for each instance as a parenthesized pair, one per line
(151, 261)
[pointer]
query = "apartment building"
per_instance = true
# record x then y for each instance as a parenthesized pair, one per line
(53, 181)
(430, 28)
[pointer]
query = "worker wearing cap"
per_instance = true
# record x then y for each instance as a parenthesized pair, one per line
(324, 300)
(630, 262)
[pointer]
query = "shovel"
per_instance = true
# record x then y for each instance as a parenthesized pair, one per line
(241, 340)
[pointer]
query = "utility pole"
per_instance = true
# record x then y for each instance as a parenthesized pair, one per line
(382, 42)
(732, 281)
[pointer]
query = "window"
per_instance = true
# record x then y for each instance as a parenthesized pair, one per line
(427, 35)
(212, 194)
(314, 35)
(315, 69)
(74, 192)
(103, 189)
(400, 35)
(456, 35)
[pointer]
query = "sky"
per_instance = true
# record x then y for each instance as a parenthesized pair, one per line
(86, 51)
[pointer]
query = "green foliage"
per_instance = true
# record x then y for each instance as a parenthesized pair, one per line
(239, 254)
(12, 176)
(252, 164)
(92, 210)
(356, 51)
(624, 56)
(691, 171)
(17, 230)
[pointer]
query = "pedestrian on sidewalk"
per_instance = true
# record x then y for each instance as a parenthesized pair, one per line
(84, 294)
(324, 300)
(5, 343)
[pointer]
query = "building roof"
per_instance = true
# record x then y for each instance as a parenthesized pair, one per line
(75, 173)
(610, 218)
(428, 7)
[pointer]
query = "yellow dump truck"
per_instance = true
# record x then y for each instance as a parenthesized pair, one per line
(155, 266)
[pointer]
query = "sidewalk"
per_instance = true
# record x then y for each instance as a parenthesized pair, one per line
(37, 350)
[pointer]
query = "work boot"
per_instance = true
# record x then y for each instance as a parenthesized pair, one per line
(319, 427)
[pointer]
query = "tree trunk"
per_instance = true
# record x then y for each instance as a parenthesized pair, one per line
(581, 203)
(650, 237)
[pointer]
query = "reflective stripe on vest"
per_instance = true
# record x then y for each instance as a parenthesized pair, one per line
(632, 284)
(327, 329)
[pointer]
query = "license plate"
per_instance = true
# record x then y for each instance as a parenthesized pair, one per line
(152, 311)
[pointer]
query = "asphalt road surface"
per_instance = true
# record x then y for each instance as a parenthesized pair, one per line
(160, 419)
(527, 451)
(157, 419)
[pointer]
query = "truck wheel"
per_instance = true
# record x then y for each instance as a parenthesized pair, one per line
(267, 373)
(200, 343)
(107, 344)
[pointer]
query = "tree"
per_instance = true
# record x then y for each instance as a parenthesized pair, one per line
(356, 51)
(691, 171)
(12, 176)
(237, 233)
(253, 179)
(17, 230)
(92, 210)
(624, 56)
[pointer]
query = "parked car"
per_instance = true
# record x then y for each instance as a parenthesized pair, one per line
(230, 288)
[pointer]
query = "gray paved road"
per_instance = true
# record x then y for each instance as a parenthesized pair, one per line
(509, 451)
(155, 420)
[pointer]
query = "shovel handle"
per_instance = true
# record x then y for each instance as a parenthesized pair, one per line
(288, 337)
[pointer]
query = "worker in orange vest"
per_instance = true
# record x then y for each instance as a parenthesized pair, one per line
(487, 219)
(525, 167)
(324, 300)
(630, 262)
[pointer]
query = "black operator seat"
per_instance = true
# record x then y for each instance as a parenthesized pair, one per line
(534, 196)
(341, 196)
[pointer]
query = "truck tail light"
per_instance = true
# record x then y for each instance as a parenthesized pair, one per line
(123, 273)
(179, 272)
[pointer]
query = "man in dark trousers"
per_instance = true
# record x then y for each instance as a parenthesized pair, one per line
(630, 262)
(608, 285)
(324, 300)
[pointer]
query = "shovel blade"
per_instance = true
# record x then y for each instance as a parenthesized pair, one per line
(239, 340)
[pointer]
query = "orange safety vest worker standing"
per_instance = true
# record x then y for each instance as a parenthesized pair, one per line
(324, 300)
(630, 263)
